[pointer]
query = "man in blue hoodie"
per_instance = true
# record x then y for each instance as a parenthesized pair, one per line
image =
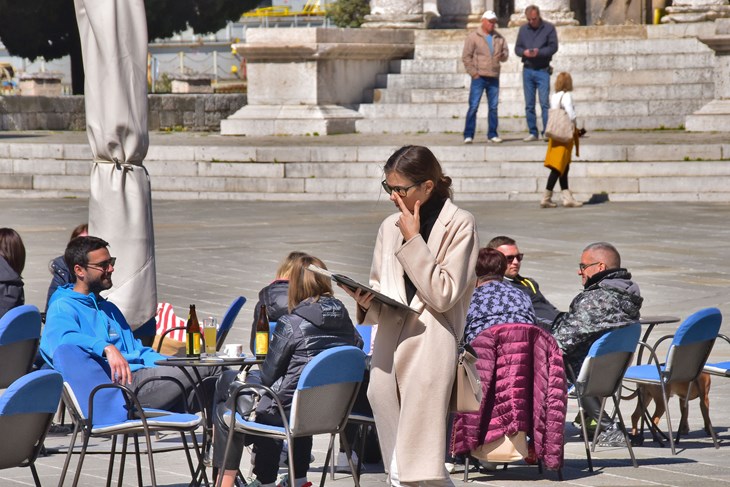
(78, 315)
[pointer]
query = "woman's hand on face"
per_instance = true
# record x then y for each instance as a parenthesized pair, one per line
(408, 223)
(363, 299)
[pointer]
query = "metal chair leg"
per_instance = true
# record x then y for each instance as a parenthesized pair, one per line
(81, 459)
(622, 425)
(669, 419)
(68, 455)
(34, 472)
(326, 465)
(584, 430)
(348, 450)
(330, 452)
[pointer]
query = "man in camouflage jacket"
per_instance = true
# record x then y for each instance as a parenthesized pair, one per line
(609, 299)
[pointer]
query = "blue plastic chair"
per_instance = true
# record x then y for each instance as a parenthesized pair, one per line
(101, 408)
(322, 402)
(26, 410)
(366, 332)
(686, 358)
(719, 368)
(364, 420)
(227, 322)
(600, 376)
(20, 332)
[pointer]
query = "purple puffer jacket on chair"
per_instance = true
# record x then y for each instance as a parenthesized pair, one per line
(524, 389)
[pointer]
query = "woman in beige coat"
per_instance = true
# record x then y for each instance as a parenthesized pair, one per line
(424, 257)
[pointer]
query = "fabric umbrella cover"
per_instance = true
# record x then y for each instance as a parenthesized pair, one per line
(114, 46)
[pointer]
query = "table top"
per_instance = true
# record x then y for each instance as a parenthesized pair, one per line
(658, 320)
(208, 361)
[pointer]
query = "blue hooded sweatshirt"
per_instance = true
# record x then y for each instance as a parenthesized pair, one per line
(92, 323)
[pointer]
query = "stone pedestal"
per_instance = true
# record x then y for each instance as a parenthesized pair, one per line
(459, 14)
(191, 83)
(311, 80)
(400, 14)
(696, 11)
(40, 84)
(555, 11)
(715, 116)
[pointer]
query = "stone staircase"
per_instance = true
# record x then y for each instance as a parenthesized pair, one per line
(624, 77)
(628, 166)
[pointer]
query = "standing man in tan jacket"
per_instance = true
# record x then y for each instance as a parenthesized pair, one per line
(484, 50)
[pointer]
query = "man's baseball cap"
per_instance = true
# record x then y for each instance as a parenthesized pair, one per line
(489, 15)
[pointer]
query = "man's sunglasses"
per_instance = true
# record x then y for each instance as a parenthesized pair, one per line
(510, 258)
(104, 264)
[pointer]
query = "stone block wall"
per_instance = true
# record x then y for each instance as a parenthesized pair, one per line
(190, 112)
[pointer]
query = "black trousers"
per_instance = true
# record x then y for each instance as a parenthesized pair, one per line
(555, 176)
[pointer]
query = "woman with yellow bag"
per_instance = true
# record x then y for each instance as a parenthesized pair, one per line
(558, 154)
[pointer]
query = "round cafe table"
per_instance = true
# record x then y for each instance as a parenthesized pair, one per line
(194, 364)
(651, 321)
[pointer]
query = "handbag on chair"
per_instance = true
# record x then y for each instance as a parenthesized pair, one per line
(466, 396)
(559, 126)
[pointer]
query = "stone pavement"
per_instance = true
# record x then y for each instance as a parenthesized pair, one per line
(208, 252)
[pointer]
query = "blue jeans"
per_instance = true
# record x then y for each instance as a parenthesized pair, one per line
(478, 86)
(536, 80)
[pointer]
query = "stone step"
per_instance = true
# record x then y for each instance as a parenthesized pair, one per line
(581, 79)
(422, 125)
(626, 48)
(444, 114)
(702, 91)
(291, 172)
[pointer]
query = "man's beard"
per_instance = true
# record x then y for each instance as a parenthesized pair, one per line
(102, 284)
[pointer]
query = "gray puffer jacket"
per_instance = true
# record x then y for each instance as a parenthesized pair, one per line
(11, 288)
(311, 327)
(610, 299)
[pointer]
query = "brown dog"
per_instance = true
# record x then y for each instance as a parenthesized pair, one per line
(700, 388)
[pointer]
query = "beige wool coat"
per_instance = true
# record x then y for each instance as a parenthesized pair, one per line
(414, 355)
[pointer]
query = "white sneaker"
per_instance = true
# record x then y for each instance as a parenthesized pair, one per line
(530, 138)
(450, 467)
(468, 140)
(495, 140)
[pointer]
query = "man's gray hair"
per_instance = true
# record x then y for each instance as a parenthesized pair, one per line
(530, 8)
(608, 252)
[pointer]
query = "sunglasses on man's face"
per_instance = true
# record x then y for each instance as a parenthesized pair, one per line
(583, 267)
(104, 264)
(510, 258)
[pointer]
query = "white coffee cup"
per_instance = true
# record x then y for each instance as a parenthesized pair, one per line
(233, 350)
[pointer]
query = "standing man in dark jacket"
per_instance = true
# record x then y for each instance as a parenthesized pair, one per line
(537, 42)
(484, 50)
(544, 309)
(610, 299)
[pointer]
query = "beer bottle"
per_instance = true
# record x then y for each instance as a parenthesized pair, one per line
(262, 334)
(192, 330)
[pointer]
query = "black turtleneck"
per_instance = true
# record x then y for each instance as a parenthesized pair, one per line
(428, 213)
